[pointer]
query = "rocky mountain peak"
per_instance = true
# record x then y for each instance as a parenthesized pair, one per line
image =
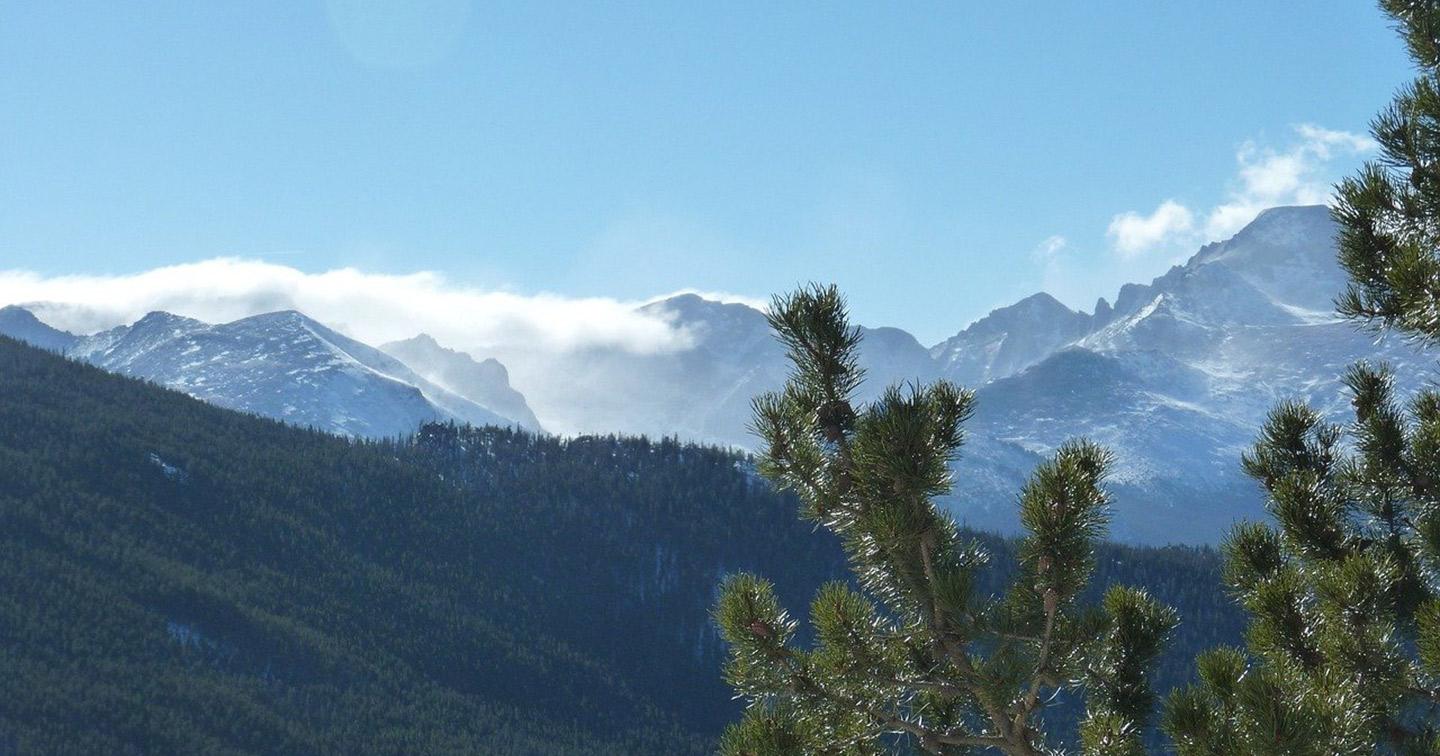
(485, 382)
(1009, 339)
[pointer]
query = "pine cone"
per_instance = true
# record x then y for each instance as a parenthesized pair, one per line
(834, 418)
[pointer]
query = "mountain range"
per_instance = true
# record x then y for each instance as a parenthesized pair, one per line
(188, 579)
(282, 365)
(1175, 376)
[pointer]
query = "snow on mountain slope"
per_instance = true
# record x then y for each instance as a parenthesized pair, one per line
(486, 383)
(700, 393)
(1113, 401)
(1009, 340)
(1176, 377)
(282, 365)
(1277, 253)
(1279, 269)
(1179, 380)
(1176, 476)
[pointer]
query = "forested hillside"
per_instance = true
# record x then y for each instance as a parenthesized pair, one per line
(177, 577)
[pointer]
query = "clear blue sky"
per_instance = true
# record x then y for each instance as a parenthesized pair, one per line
(917, 154)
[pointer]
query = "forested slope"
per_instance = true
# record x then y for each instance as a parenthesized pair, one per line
(178, 577)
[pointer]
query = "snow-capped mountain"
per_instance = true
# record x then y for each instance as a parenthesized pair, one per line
(701, 393)
(1178, 380)
(486, 382)
(1009, 340)
(282, 365)
(1176, 377)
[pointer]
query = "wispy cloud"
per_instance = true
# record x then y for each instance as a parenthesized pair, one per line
(371, 306)
(1298, 174)
(1052, 246)
(715, 296)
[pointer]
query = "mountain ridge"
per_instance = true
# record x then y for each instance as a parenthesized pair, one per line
(20, 323)
(1186, 366)
(280, 364)
(486, 382)
(206, 580)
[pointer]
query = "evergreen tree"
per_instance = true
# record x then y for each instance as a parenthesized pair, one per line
(1389, 213)
(1343, 650)
(1337, 594)
(180, 578)
(916, 658)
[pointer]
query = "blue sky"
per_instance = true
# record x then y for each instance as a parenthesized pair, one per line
(935, 160)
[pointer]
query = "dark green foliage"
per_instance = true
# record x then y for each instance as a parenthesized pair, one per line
(179, 578)
(768, 732)
(276, 590)
(623, 541)
(1183, 577)
(1119, 674)
(1388, 211)
(921, 658)
(1344, 638)
(1340, 595)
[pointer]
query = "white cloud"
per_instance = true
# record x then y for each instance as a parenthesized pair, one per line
(1050, 248)
(715, 296)
(1299, 174)
(1132, 233)
(370, 306)
(1321, 140)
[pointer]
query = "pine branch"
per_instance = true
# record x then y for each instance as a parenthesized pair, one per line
(871, 475)
(1034, 693)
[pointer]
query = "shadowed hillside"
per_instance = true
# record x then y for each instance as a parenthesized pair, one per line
(182, 577)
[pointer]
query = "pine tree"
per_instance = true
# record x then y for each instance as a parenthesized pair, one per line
(916, 658)
(1389, 214)
(1337, 595)
(1343, 650)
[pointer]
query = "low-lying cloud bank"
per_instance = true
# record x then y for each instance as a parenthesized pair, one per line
(371, 307)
